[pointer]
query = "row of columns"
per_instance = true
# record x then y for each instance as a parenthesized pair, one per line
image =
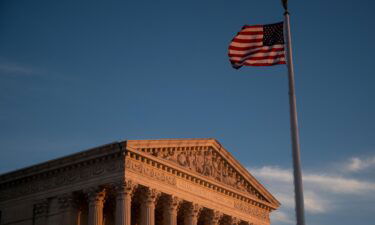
(124, 191)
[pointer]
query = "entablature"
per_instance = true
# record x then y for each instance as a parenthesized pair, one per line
(83, 166)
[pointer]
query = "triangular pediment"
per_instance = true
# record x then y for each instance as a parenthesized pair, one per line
(207, 158)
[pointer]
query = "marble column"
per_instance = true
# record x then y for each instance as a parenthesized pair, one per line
(148, 206)
(41, 212)
(123, 202)
(69, 210)
(192, 214)
(170, 210)
(216, 216)
(96, 204)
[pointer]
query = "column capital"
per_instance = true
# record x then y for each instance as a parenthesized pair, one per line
(194, 209)
(41, 208)
(150, 195)
(125, 187)
(236, 221)
(67, 201)
(216, 216)
(96, 195)
(172, 203)
(192, 213)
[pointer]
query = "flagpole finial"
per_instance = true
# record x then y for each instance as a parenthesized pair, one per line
(285, 5)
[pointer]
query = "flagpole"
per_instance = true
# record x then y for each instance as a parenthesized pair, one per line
(298, 188)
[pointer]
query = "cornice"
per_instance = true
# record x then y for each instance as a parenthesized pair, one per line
(225, 153)
(62, 164)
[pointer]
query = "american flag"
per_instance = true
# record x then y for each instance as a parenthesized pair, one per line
(258, 45)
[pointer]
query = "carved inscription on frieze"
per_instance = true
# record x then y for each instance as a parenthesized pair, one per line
(251, 210)
(196, 190)
(147, 171)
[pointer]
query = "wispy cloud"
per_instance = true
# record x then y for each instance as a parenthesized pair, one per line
(14, 69)
(324, 191)
(331, 183)
(317, 186)
(357, 164)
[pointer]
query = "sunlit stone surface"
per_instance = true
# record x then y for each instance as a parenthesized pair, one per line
(147, 182)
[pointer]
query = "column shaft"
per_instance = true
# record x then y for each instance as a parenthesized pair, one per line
(148, 206)
(191, 220)
(70, 217)
(69, 209)
(95, 214)
(148, 213)
(123, 209)
(170, 217)
(96, 204)
(192, 214)
(170, 211)
(124, 190)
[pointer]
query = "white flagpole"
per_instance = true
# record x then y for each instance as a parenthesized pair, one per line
(298, 188)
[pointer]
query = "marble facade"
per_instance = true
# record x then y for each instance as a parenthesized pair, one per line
(137, 182)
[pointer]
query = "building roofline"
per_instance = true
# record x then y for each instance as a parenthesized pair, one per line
(73, 158)
(116, 147)
(58, 162)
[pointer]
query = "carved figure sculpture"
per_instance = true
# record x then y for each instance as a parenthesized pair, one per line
(181, 159)
(200, 162)
(207, 170)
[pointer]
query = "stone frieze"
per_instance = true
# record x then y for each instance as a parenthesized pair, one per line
(202, 192)
(147, 171)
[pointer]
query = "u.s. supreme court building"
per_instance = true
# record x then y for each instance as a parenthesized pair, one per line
(137, 182)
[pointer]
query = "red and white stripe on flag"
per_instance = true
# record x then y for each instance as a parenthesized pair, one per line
(258, 45)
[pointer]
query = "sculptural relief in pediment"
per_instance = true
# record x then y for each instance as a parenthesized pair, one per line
(207, 162)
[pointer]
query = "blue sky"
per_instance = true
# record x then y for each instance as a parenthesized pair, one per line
(77, 74)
